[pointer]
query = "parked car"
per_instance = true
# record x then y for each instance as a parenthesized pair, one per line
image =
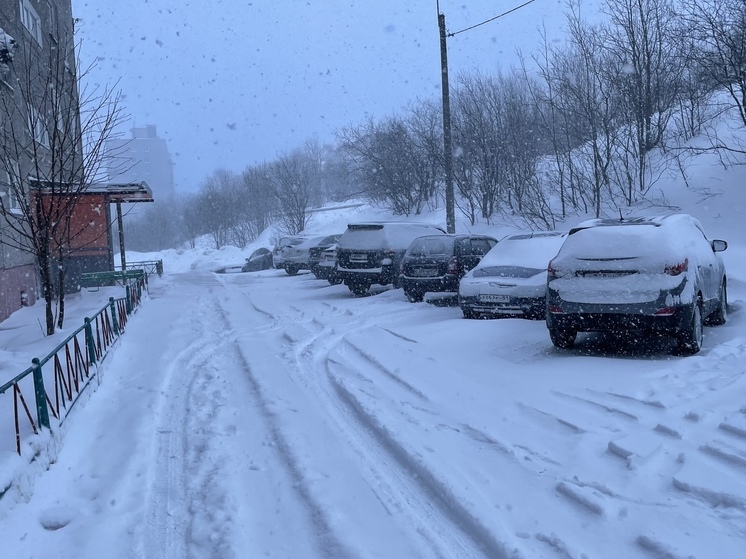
(369, 253)
(658, 275)
(511, 280)
(438, 262)
(278, 260)
(326, 268)
(315, 255)
(296, 257)
(260, 259)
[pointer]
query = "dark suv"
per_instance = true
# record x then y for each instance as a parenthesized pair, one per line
(658, 275)
(438, 262)
(369, 253)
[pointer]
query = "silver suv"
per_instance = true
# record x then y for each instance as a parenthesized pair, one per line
(371, 252)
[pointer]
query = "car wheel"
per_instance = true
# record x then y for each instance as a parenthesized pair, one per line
(563, 338)
(691, 337)
(359, 289)
(414, 296)
(720, 314)
(292, 270)
(470, 314)
(335, 281)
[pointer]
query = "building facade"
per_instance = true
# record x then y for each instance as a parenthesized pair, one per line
(143, 157)
(36, 41)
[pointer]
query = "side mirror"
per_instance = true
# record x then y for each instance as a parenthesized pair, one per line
(718, 245)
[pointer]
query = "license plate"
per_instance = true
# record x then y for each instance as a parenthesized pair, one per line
(359, 257)
(425, 272)
(494, 298)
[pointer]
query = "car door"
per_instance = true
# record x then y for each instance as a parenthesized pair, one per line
(710, 269)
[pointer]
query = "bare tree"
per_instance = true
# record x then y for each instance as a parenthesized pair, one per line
(384, 157)
(258, 200)
(479, 171)
(645, 56)
(51, 151)
(295, 177)
(719, 27)
(215, 202)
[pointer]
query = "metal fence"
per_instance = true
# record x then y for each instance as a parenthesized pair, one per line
(54, 383)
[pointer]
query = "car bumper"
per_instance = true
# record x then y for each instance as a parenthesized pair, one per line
(381, 276)
(324, 272)
(533, 307)
(654, 316)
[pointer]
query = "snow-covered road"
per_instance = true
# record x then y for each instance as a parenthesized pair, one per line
(252, 415)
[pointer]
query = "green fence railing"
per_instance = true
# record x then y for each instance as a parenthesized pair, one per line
(57, 380)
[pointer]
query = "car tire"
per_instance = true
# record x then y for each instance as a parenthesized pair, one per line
(720, 315)
(470, 314)
(334, 281)
(414, 296)
(563, 338)
(358, 289)
(691, 337)
(292, 270)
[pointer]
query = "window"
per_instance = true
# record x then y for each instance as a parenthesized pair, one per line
(37, 127)
(31, 20)
(10, 188)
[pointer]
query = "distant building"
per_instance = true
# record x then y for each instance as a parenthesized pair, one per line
(144, 157)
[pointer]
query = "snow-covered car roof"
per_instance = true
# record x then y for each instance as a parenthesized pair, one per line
(671, 237)
(528, 250)
(385, 234)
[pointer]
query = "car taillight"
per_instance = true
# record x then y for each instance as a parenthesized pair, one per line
(676, 269)
(666, 311)
(453, 266)
(554, 309)
(551, 272)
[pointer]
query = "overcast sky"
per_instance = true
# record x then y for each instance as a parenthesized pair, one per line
(230, 84)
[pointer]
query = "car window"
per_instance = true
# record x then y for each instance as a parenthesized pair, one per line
(480, 247)
(430, 246)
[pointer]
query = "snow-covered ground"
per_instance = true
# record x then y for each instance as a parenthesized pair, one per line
(263, 415)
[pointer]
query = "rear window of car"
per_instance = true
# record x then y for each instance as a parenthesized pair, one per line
(524, 251)
(431, 246)
(617, 241)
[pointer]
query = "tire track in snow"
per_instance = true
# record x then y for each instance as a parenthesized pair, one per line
(168, 516)
(400, 477)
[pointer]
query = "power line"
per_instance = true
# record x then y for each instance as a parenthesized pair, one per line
(492, 18)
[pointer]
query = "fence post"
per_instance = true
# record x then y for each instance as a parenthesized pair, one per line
(114, 320)
(128, 299)
(42, 412)
(89, 341)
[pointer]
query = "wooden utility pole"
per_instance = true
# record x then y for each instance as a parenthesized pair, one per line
(448, 151)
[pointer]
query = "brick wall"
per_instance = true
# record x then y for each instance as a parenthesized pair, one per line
(12, 282)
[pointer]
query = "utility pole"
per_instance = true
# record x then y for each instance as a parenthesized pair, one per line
(448, 150)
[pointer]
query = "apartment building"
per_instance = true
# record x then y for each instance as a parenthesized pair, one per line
(39, 138)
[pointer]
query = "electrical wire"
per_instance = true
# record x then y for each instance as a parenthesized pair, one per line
(492, 18)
